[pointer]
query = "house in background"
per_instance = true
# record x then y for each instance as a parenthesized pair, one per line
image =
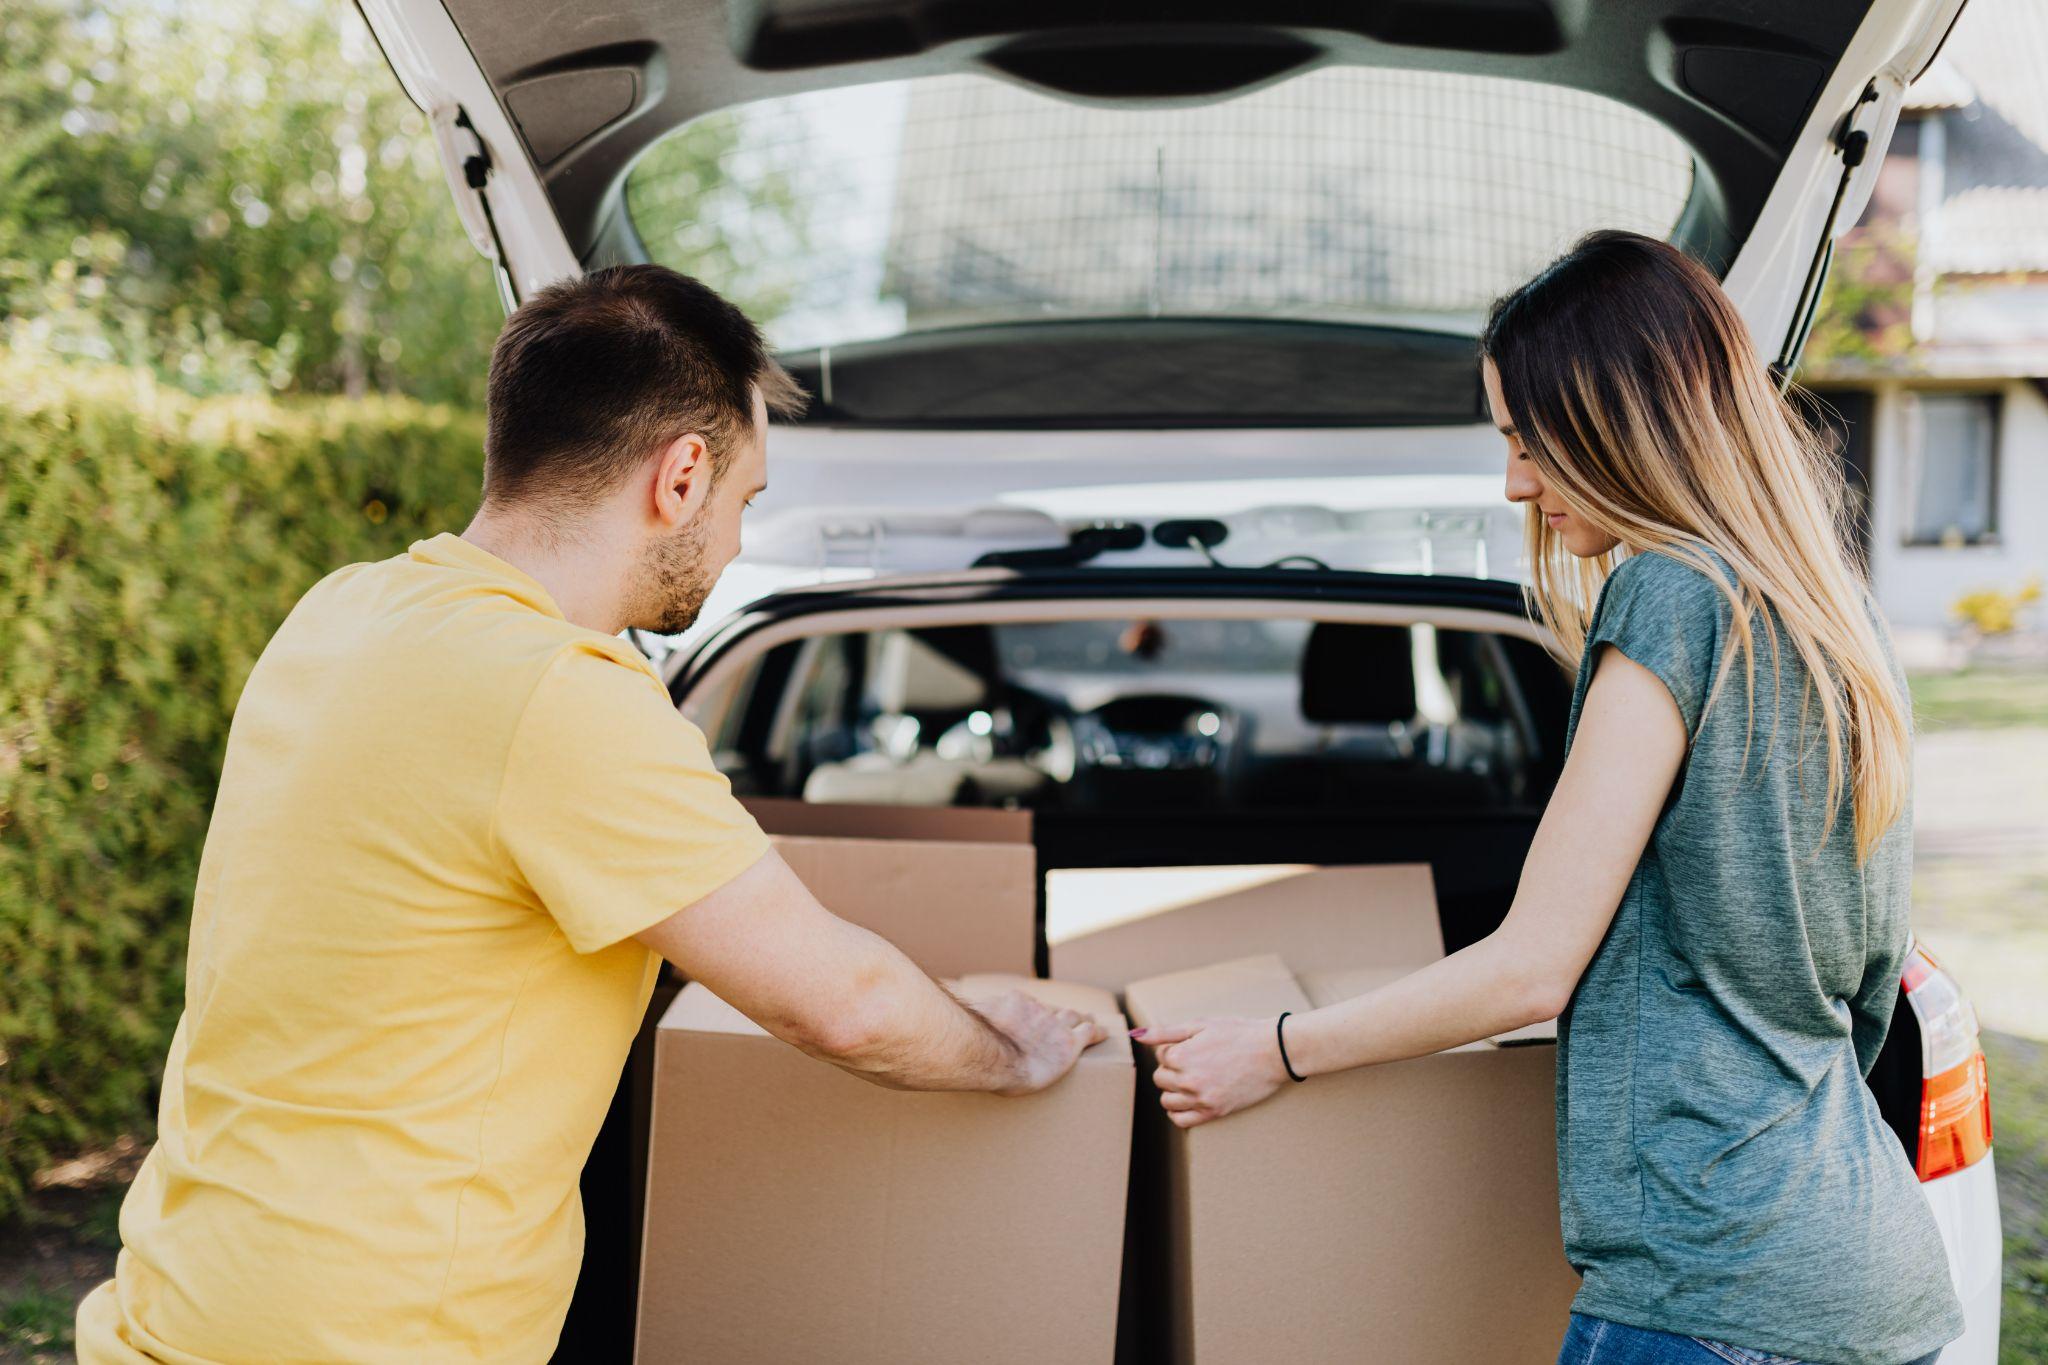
(1932, 349)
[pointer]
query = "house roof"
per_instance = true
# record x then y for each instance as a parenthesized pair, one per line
(1988, 90)
(2001, 48)
(1941, 86)
(1991, 230)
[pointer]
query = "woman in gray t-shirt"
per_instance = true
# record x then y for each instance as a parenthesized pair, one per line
(1715, 903)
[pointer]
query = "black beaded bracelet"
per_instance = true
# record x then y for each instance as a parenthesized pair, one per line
(1280, 1031)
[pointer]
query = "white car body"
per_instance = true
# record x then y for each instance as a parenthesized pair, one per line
(1404, 499)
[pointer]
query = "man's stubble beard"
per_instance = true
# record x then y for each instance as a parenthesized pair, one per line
(673, 583)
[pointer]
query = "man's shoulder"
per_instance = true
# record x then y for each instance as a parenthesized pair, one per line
(430, 655)
(584, 668)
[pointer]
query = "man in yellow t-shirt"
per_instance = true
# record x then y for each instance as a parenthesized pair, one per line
(458, 824)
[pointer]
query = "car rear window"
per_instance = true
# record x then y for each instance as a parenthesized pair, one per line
(1347, 194)
(1146, 713)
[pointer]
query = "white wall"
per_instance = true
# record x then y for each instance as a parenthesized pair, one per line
(1917, 583)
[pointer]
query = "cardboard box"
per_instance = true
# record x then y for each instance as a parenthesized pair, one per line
(1115, 925)
(797, 1214)
(1400, 1213)
(953, 907)
(999, 930)
(966, 824)
(956, 890)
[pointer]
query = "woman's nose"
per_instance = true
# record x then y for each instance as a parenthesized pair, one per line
(1523, 485)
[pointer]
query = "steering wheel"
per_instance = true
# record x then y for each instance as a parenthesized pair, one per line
(1155, 732)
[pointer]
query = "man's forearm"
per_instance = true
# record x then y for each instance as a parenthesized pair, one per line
(901, 1029)
(831, 988)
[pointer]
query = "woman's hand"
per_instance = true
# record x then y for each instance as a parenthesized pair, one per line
(1214, 1067)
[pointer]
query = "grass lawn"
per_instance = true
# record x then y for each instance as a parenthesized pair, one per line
(1980, 901)
(52, 1260)
(1981, 698)
(35, 1323)
(2019, 1117)
(64, 1247)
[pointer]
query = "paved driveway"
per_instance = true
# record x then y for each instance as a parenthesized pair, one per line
(1980, 878)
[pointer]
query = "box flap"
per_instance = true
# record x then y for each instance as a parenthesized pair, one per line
(696, 1010)
(1544, 1031)
(1249, 986)
(1328, 987)
(1109, 926)
(970, 824)
(953, 907)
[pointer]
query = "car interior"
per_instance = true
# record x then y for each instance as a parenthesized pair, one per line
(1092, 715)
(1136, 740)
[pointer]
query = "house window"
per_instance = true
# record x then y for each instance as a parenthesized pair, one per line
(1952, 468)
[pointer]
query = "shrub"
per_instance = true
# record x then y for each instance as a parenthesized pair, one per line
(1992, 611)
(151, 544)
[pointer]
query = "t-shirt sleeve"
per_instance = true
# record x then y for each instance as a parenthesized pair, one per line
(1667, 616)
(611, 810)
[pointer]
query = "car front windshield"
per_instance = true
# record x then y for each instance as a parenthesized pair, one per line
(1349, 194)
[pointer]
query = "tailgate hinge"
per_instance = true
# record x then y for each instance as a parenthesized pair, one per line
(464, 155)
(1853, 145)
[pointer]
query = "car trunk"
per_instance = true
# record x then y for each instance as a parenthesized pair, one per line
(754, 660)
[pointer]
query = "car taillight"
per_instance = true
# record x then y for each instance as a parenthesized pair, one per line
(1955, 1090)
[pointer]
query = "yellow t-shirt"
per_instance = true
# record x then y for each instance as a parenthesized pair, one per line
(412, 982)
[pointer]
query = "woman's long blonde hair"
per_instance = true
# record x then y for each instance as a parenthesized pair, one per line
(1634, 385)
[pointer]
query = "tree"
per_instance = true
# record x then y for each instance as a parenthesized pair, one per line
(239, 196)
(1865, 318)
(235, 195)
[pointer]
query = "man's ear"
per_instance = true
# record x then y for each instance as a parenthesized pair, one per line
(682, 480)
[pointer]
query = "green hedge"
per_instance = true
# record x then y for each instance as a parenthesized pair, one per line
(149, 545)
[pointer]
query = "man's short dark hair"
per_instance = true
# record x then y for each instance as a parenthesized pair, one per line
(593, 375)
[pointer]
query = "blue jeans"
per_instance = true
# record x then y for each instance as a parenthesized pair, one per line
(1596, 1341)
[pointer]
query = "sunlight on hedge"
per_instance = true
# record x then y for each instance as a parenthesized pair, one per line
(154, 541)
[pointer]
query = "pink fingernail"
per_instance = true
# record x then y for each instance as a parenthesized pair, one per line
(1137, 1033)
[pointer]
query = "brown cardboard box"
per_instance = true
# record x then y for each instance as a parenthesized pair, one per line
(967, 824)
(1142, 922)
(955, 889)
(796, 1214)
(996, 934)
(953, 907)
(1401, 1213)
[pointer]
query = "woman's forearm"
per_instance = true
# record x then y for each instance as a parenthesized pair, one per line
(1488, 988)
(1628, 749)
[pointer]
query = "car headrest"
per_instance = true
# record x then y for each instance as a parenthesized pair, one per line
(1357, 675)
(943, 669)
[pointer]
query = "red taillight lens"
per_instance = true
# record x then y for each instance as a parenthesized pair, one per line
(1955, 1090)
(1955, 1118)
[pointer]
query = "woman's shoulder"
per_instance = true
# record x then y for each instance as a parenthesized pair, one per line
(1691, 582)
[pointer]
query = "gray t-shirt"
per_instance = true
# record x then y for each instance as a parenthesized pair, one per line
(1723, 1169)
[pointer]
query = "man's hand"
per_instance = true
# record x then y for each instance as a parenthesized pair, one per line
(1214, 1067)
(764, 945)
(1048, 1041)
